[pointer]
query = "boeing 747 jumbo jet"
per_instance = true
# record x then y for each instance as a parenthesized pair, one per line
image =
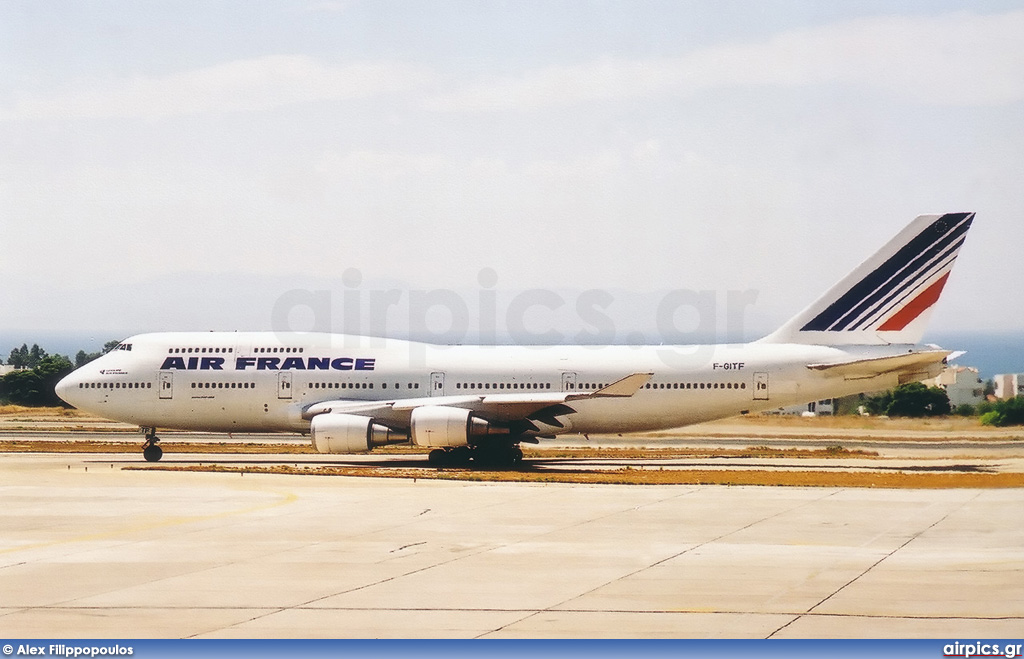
(480, 402)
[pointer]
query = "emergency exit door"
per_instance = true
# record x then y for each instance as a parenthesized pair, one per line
(166, 384)
(437, 383)
(284, 384)
(760, 386)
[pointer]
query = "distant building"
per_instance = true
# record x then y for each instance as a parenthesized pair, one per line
(7, 368)
(962, 385)
(1009, 385)
(824, 407)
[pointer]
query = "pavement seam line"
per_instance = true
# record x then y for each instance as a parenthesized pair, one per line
(876, 563)
(660, 561)
(305, 605)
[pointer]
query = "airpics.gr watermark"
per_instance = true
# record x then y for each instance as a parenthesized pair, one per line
(982, 649)
(684, 322)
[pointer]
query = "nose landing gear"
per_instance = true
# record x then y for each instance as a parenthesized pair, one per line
(150, 448)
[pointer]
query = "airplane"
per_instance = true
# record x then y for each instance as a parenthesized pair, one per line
(478, 404)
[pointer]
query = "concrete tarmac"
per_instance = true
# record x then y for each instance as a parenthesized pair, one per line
(90, 550)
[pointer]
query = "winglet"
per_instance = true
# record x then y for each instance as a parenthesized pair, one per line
(623, 388)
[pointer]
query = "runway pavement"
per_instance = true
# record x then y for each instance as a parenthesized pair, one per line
(90, 550)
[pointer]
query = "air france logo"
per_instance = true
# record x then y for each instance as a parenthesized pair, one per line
(270, 364)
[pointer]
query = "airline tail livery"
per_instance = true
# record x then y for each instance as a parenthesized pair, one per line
(480, 402)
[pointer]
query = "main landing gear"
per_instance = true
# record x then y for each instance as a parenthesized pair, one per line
(150, 448)
(495, 455)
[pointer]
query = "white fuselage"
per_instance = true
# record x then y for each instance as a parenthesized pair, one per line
(264, 381)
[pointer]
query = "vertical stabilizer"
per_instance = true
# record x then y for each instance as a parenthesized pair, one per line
(889, 297)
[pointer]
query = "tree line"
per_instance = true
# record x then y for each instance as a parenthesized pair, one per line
(914, 399)
(39, 372)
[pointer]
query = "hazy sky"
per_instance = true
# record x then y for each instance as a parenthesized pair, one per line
(182, 165)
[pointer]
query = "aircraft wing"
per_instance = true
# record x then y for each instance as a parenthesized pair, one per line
(504, 407)
(857, 369)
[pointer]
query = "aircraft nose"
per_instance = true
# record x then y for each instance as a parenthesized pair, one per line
(67, 388)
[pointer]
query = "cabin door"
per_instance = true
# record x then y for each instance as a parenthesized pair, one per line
(437, 383)
(166, 384)
(284, 384)
(760, 386)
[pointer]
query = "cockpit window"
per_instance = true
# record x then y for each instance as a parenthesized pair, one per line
(123, 346)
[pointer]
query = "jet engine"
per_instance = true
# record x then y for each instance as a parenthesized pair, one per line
(437, 426)
(350, 433)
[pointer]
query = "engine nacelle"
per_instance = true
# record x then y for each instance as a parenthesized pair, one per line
(349, 433)
(437, 426)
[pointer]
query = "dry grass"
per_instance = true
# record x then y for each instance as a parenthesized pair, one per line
(851, 422)
(243, 448)
(85, 446)
(629, 476)
(47, 413)
(643, 453)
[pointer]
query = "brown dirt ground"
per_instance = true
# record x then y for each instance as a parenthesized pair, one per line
(648, 476)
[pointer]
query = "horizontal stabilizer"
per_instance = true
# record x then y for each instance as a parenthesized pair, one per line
(953, 356)
(914, 362)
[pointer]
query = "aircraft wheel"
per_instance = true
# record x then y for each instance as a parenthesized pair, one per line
(152, 453)
(483, 456)
(460, 456)
(437, 457)
(497, 456)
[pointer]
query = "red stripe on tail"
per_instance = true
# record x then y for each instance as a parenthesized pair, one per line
(907, 314)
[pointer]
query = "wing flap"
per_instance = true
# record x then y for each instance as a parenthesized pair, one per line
(364, 407)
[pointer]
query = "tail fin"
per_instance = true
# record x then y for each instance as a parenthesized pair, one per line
(889, 297)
